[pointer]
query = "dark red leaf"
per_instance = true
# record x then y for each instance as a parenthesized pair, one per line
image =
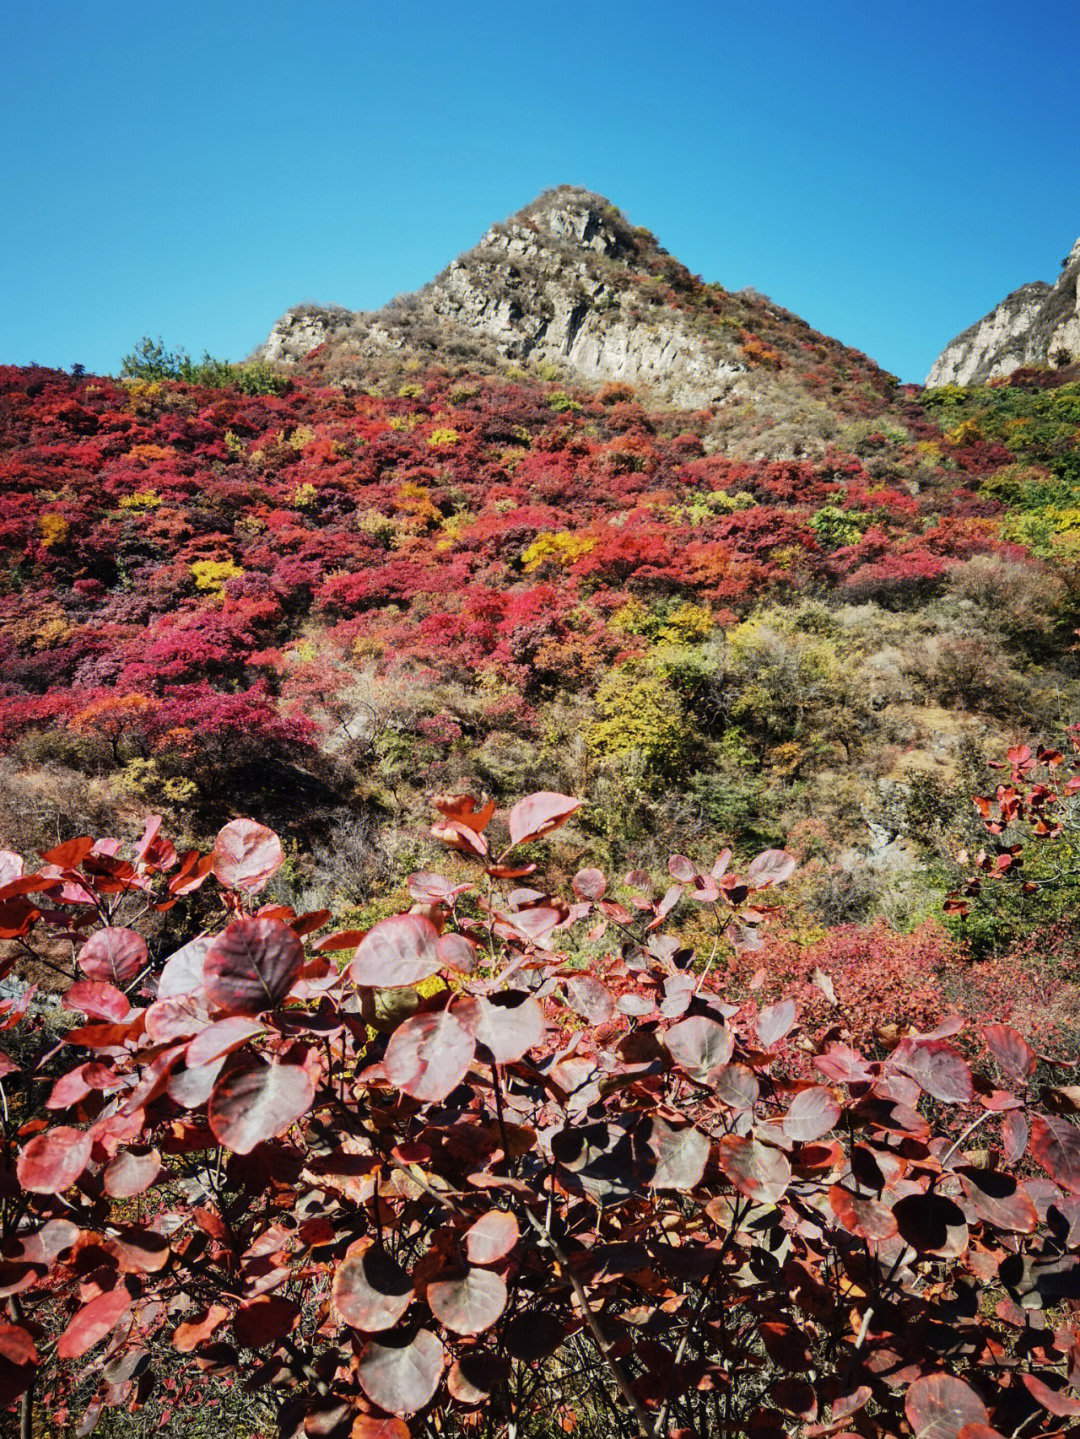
(1055, 1143)
(938, 1406)
(52, 1162)
(1014, 1138)
(589, 885)
(590, 998)
(936, 1067)
(867, 1218)
(251, 966)
(1011, 1051)
(264, 1320)
(474, 1376)
(932, 1224)
(258, 1101)
(1054, 1401)
(999, 1200)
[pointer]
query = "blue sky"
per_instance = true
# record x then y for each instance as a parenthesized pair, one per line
(888, 171)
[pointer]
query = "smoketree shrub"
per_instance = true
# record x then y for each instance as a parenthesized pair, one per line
(443, 1176)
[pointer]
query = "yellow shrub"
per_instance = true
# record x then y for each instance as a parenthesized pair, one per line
(638, 711)
(443, 438)
(141, 500)
(212, 575)
(304, 496)
(301, 436)
(54, 530)
(563, 548)
(686, 623)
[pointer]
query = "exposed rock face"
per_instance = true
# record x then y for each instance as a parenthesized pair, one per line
(1039, 324)
(554, 283)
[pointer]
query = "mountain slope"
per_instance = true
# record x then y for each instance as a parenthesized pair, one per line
(567, 286)
(1038, 324)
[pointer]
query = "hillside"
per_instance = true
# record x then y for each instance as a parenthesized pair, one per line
(1038, 324)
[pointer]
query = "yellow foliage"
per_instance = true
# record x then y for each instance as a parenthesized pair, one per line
(140, 500)
(54, 530)
(300, 437)
(686, 623)
(563, 548)
(212, 575)
(443, 437)
(638, 711)
(304, 496)
(151, 453)
(411, 390)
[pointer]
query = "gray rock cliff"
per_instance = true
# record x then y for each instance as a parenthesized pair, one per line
(1039, 324)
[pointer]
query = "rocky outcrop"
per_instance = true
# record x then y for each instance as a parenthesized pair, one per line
(1039, 324)
(559, 282)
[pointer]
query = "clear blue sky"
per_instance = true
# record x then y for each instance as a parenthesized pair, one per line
(888, 171)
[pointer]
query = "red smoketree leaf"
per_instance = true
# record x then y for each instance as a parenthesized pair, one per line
(589, 885)
(456, 952)
(114, 956)
(183, 972)
(401, 1376)
(866, 1218)
(264, 1320)
(378, 1426)
(251, 966)
(220, 1038)
(590, 998)
(246, 855)
(397, 951)
(1055, 1143)
(508, 1024)
(771, 866)
(492, 1237)
(467, 1301)
(774, 1021)
(17, 1345)
(92, 1322)
(258, 1101)
(1052, 1400)
(474, 1376)
(938, 1406)
(539, 814)
(932, 1224)
(52, 1162)
(98, 1000)
(1014, 1138)
(936, 1067)
(758, 1171)
(701, 1046)
(680, 1155)
(131, 1173)
(429, 1055)
(192, 1333)
(812, 1113)
(1011, 1050)
(371, 1291)
(999, 1200)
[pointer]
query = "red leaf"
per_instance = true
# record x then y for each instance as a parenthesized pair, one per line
(539, 814)
(936, 1067)
(70, 853)
(590, 998)
(866, 1218)
(1014, 1138)
(191, 1334)
(456, 952)
(17, 1345)
(1011, 1051)
(755, 1169)
(467, 1301)
(812, 1113)
(114, 956)
(1055, 1143)
(401, 1375)
(252, 965)
(492, 1237)
(397, 951)
(999, 1200)
(680, 1155)
(52, 1162)
(264, 1320)
(258, 1101)
(701, 1046)
(98, 1000)
(508, 1024)
(932, 1224)
(92, 1322)
(1052, 1400)
(246, 855)
(589, 885)
(475, 1376)
(371, 1291)
(378, 1426)
(770, 867)
(774, 1021)
(429, 1055)
(938, 1406)
(220, 1039)
(131, 1173)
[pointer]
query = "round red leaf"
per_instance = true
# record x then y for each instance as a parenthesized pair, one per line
(114, 956)
(429, 1055)
(812, 1113)
(467, 1301)
(251, 966)
(246, 855)
(52, 1162)
(402, 1376)
(403, 949)
(699, 1045)
(92, 1322)
(492, 1237)
(371, 1291)
(756, 1170)
(938, 1406)
(131, 1173)
(258, 1101)
(539, 814)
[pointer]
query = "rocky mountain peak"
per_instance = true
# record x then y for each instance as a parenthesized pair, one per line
(1038, 324)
